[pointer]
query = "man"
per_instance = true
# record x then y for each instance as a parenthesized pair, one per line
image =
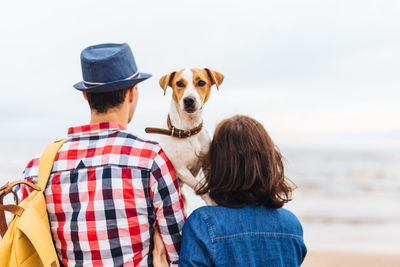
(110, 189)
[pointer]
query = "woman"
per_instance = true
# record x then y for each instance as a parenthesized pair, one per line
(244, 175)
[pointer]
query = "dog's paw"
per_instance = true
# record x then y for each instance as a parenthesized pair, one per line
(208, 200)
(186, 177)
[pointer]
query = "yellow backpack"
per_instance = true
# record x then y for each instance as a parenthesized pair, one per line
(28, 240)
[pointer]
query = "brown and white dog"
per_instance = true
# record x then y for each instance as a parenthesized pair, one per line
(184, 139)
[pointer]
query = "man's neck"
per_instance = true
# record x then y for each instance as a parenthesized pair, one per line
(109, 117)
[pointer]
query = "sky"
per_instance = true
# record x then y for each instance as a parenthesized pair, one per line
(315, 73)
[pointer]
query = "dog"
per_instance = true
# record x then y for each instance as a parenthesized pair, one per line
(184, 139)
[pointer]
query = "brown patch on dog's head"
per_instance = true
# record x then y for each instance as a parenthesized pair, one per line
(176, 82)
(216, 77)
(202, 80)
(166, 80)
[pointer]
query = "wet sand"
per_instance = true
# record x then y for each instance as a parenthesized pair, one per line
(321, 258)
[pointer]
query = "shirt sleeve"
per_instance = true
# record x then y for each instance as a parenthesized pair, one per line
(30, 175)
(168, 205)
(196, 242)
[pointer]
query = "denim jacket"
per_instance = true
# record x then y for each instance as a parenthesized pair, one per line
(248, 236)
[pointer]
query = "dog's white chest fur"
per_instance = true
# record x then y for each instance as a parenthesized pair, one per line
(185, 153)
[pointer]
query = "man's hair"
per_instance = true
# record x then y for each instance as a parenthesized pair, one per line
(244, 167)
(103, 102)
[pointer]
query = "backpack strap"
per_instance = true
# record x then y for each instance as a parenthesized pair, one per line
(13, 208)
(46, 162)
(45, 165)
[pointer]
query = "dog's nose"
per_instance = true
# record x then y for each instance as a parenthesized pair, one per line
(188, 101)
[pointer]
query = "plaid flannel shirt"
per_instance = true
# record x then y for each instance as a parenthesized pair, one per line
(107, 191)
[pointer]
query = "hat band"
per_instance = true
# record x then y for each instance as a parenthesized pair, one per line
(88, 84)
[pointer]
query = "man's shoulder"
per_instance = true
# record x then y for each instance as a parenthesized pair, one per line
(140, 141)
(140, 152)
(31, 169)
(148, 148)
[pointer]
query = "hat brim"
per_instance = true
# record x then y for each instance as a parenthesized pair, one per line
(112, 86)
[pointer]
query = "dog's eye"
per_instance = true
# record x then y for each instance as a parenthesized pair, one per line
(179, 84)
(201, 83)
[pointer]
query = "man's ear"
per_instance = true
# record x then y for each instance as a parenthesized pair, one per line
(166, 80)
(84, 95)
(215, 77)
(132, 93)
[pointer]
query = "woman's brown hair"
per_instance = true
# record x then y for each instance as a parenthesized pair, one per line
(244, 167)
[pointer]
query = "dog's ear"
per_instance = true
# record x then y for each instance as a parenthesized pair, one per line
(215, 77)
(166, 80)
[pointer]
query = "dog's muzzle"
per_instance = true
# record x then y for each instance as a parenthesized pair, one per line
(189, 104)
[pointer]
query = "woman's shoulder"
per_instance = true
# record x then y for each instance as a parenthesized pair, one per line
(202, 213)
(220, 211)
(208, 216)
(213, 212)
(249, 218)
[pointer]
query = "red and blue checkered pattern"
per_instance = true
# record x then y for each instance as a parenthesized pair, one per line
(107, 191)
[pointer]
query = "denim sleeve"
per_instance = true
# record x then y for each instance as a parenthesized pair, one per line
(197, 247)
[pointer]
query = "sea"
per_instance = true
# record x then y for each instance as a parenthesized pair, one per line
(346, 200)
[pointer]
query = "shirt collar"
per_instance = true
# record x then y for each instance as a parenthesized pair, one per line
(94, 128)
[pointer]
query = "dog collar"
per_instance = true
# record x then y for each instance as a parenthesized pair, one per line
(175, 132)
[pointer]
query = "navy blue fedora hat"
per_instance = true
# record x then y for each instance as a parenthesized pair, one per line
(109, 67)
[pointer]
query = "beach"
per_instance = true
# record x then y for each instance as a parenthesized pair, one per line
(347, 202)
(330, 258)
